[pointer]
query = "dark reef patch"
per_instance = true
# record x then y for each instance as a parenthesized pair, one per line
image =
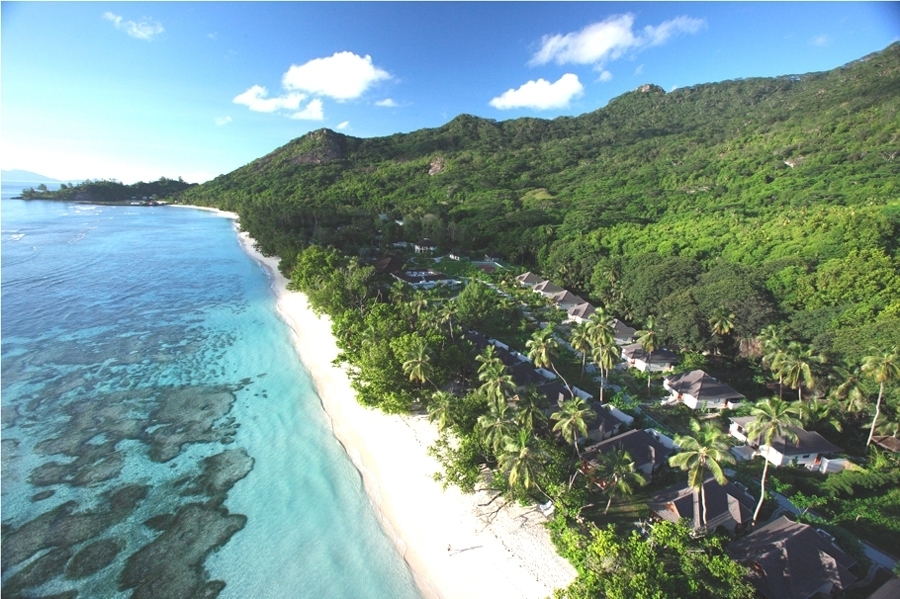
(172, 565)
(93, 558)
(43, 569)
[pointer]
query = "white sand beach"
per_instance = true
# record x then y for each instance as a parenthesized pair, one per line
(452, 548)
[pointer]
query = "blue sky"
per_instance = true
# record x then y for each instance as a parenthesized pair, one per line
(142, 90)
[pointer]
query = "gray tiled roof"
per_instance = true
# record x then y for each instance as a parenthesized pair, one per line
(807, 441)
(702, 386)
(726, 504)
(790, 560)
(640, 444)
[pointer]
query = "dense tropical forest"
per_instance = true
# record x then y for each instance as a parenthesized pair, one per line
(108, 191)
(751, 225)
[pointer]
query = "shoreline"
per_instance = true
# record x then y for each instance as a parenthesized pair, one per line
(455, 547)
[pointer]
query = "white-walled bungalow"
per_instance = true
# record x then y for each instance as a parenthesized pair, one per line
(635, 356)
(580, 313)
(808, 450)
(529, 279)
(565, 299)
(547, 289)
(696, 389)
(622, 333)
(646, 449)
(726, 505)
(425, 246)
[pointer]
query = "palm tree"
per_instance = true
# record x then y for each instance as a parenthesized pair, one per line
(722, 323)
(818, 413)
(649, 340)
(496, 425)
(418, 362)
(772, 346)
(581, 342)
(572, 418)
(439, 408)
(705, 450)
(883, 369)
(773, 418)
(619, 475)
(850, 392)
(797, 366)
(542, 348)
(606, 355)
(522, 460)
(529, 412)
(446, 314)
(496, 382)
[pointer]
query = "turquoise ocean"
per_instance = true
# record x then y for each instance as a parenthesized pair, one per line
(160, 438)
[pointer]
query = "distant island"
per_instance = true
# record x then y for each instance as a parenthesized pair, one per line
(20, 176)
(109, 192)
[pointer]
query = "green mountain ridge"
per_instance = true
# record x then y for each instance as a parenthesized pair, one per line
(791, 180)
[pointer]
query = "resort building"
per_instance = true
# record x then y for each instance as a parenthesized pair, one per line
(622, 333)
(635, 356)
(425, 246)
(649, 449)
(790, 560)
(809, 450)
(547, 289)
(580, 313)
(727, 505)
(698, 390)
(529, 279)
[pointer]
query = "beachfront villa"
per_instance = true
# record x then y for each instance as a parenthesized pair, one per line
(727, 505)
(698, 390)
(635, 356)
(809, 450)
(790, 560)
(648, 448)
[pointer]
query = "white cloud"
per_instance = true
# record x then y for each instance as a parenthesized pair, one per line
(312, 112)
(223, 120)
(605, 76)
(609, 39)
(342, 76)
(213, 35)
(639, 70)
(541, 94)
(143, 30)
(255, 99)
(387, 102)
(343, 125)
(820, 40)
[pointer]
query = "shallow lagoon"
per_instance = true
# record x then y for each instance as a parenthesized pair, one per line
(160, 438)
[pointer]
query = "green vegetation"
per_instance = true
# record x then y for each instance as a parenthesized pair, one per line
(109, 192)
(752, 225)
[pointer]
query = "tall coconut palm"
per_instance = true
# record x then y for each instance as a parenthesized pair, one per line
(850, 392)
(618, 475)
(446, 314)
(572, 418)
(418, 362)
(772, 346)
(606, 355)
(722, 321)
(772, 418)
(797, 365)
(496, 382)
(440, 408)
(649, 340)
(542, 348)
(882, 369)
(530, 415)
(522, 460)
(581, 342)
(496, 425)
(705, 450)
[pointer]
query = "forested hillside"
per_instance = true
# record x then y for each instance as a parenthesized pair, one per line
(774, 198)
